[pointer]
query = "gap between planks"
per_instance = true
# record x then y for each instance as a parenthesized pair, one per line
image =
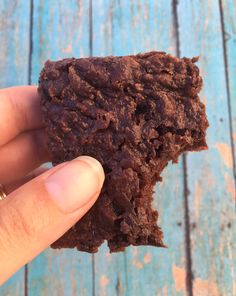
(222, 21)
(29, 82)
(189, 274)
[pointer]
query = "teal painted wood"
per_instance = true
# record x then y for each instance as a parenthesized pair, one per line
(60, 29)
(14, 286)
(57, 272)
(126, 27)
(14, 42)
(211, 203)
(110, 273)
(229, 16)
(14, 49)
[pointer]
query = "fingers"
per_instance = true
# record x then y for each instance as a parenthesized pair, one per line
(39, 212)
(23, 154)
(19, 111)
(8, 188)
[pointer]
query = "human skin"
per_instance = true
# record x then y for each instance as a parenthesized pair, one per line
(41, 204)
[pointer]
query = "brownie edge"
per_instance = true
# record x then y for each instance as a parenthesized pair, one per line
(132, 113)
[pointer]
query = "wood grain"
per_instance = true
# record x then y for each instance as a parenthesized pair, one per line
(127, 27)
(14, 42)
(59, 30)
(211, 203)
(228, 13)
(60, 272)
(14, 51)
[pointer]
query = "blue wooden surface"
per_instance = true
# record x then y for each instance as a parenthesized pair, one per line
(229, 27)
(211, 204)
(102, 27)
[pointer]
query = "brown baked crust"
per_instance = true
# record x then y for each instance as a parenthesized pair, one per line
(133, 114)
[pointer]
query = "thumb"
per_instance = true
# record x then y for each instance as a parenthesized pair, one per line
(39, 212)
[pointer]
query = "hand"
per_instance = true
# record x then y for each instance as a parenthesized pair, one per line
(40, 204)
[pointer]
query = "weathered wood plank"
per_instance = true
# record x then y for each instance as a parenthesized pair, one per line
(14, 50)
(14, 286)
(56, 272)
(211, 200)
(14, 37)
(229, 27)
(110, 272)
(60, 29)
(126, 27)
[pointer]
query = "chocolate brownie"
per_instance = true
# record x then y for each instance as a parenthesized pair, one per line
(133, 114)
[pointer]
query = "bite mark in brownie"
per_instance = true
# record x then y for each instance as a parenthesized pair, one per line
(134, 114)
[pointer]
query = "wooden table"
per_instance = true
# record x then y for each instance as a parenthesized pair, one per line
(197, 197)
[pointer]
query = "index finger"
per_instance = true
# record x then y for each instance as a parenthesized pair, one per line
(19, 111)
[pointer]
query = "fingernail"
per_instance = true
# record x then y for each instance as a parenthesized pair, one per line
(75, 184)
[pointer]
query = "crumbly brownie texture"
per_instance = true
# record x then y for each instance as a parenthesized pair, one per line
(134, 114)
